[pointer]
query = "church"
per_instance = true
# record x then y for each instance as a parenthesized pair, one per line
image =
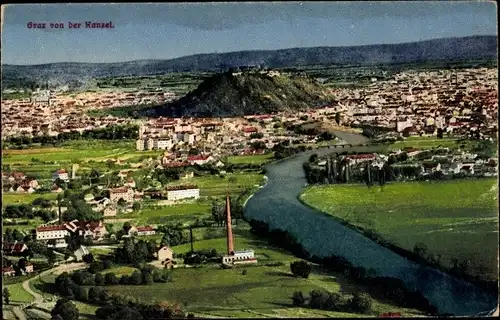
(235, 257)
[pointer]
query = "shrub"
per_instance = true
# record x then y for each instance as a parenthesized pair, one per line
(300, 268)
(298, 299)
(361, 303)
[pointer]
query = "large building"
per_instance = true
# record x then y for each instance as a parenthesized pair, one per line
(183, 192)
(235, 257)
(126, 194)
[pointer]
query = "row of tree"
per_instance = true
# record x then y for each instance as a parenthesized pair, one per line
(359, 303)
(389, 288)
(113, 132)
(113, 307)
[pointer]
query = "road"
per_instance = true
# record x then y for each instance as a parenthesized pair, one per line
(18, 310)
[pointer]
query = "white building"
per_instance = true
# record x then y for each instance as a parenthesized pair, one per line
(126, 194)
(145, 231)
(182, 192)
(240, 257)
(60, 174)
(51, 232)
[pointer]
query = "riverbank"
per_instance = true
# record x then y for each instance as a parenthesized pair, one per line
(381, 216)
(277, 205)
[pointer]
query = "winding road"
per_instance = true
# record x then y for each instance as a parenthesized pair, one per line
(18, 310)
(277, 205)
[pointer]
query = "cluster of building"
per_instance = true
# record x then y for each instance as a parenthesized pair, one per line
(49, 113)
(420, 103)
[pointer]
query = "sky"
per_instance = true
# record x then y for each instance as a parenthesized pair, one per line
(171, 30)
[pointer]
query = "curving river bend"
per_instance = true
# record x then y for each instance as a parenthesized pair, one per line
(277, 205)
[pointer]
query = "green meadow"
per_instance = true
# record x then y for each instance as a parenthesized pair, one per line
(454, 219)
(253, 159)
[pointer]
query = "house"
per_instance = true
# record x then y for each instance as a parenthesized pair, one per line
(145, 231)
(110, 211)
(199, 160)
(166, 255)
(80, 253)
(130, 183)
(60, 174)
(29, 268)
(30, 183)
(56, 189)
(8, 272)
(247, 131)
(358, 158)
(187, 175)
(17, 176)
(125, 193)
(183, 192)
(15, 248)
(25, 189)
(94, 229)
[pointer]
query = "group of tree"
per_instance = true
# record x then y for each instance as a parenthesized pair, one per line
(11, 236)
(319, 299)
(113, 307)
(219, 210)
(134, 251)
(30, 212)
(113, 132)
(202, 256)
(283, 150)
(300, 268)
(391, 289)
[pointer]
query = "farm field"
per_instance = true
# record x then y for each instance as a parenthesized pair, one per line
(254, 159)
(175, 213)
(263, 291)
(428, 143)
(76, 151)
(24, 198)
(213, 186)
(454, 219)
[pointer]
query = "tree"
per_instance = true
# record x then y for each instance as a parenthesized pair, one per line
(136, 206)
(99, 279)
(88, 258)
(420, 249)
(440, 132)
(337, 118)
(313, 158)
(136, 278)
(110, 279)
(300, 268)
(6, 295)
(361, 302)
(126, 227)
(122, 203)
(298, 299)
(65, 309)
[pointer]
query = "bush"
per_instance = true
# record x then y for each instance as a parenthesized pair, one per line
(361, 302)
(110, 279)
(298, 299)
(300, 268)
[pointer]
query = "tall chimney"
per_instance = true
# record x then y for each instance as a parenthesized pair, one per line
(191, 237)
(230, 246)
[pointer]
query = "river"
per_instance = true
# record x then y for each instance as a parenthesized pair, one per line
(277, 205)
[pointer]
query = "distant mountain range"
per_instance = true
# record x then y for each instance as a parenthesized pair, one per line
(242, 93)
(439, 49)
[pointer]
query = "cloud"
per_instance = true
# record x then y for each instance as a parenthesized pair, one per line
(220, 16)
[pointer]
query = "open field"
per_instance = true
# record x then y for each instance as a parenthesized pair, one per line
(24, 198)
(18, 294)
(254, 159)
(213, 186)
(174, 213)
(76, 151)
(265, 291)
(425, 143)
(454, 219)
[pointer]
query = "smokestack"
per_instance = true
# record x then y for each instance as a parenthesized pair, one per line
(191, 237)
(230, 247)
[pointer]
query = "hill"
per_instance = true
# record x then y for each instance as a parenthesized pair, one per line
(237, 94)
(438, 49)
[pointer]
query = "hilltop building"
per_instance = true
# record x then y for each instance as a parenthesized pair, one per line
(235, 257)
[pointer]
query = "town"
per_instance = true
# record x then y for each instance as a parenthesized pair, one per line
(253, 160)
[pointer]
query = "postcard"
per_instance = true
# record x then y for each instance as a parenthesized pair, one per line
(249, 160)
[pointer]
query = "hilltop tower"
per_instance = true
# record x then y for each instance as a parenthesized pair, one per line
(229, 228)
